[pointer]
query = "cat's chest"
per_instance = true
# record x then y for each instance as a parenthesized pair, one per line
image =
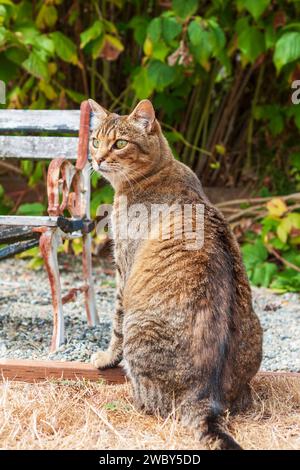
(125, 247)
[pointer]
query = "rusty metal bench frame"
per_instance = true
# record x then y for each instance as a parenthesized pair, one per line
(68, 189)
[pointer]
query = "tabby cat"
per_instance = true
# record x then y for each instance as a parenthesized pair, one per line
(184, 324)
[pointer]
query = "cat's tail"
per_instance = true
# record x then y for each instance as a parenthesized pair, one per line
(213, 430)
(208, 421)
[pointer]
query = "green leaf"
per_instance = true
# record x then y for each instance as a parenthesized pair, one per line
(292, 256)
(96, 46)
(155, 29)
(263, 274)
(3, 35)
(184, 8)
(36, 66)
(102, 196)
(283, 229)
(274, 115)
(251, 42)
(94, 180)
(17, 54)
(287, 49)
(294, 219)
(142, 84)
(170, 29)
(44, 42)
(48, 90)
(37, 175)
(255, 7)
(139, 25)
(75, 96)
(195, 32)
(254, 253)
(47, 16)
(7, 68)
(114, 41)
(161, 74)
(27, 167)
(201, 46)
(64, 47)
(91, 33)
(270, 36)
(218, 39)
(295, 160)
(1, 191)
(286, 281)
(35, 208)
(160, 51)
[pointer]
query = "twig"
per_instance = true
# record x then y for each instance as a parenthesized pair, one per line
(257, 200)
(244, 212)
(10, 167)
(282, 260)
(185, 142)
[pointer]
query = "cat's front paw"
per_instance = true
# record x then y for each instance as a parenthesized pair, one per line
(101, 359)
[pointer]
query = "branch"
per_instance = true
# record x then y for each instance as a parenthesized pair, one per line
(254, 200)
(10, 167)
(282, 260)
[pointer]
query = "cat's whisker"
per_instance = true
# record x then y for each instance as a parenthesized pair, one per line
(123, 173)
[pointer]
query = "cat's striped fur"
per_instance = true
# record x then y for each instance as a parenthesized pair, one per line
(184, 322)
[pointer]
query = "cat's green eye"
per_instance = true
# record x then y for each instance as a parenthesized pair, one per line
(95, 143)
(120, 144)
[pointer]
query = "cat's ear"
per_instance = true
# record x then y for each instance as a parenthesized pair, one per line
(144, 114)
(99, 112)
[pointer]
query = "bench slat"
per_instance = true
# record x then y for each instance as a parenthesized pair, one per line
(28, 221)
(40, 120)
(38, 148)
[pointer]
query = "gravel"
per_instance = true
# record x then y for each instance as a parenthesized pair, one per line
(26, 317)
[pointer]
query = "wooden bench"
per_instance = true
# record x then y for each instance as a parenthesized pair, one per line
(68, 190)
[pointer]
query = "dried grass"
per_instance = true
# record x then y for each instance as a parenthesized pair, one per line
(70, 415)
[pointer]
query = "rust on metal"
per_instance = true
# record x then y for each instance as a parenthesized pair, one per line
(84, 135)
(72, 294)
(49, 242)
(68, 189)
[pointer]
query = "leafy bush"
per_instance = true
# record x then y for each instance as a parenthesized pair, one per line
(271, 251)
(219, 74)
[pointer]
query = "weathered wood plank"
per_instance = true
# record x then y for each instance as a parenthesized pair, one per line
(40, 120)
(36, 371)
(28, 221)
(15, 234)
(38, 148)
(18, 247)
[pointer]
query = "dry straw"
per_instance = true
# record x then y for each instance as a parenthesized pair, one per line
(70, 415)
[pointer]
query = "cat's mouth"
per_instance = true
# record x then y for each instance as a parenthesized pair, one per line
(104, 170)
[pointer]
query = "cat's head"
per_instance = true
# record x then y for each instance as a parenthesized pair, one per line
(125, 147)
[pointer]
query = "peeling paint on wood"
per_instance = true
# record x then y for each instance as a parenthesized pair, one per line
(40, 120)
(38, 148)
(29, 221)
